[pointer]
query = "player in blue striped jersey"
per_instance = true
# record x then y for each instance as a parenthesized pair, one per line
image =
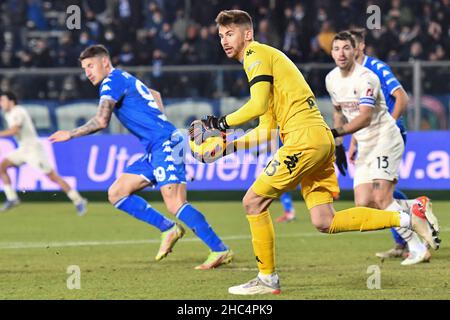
(139, 109)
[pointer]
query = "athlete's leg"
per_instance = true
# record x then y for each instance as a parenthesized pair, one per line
(263, 241)
(288, 208)
(79, 202)
(400, 242)
(11, 194)
(383, 194)
(120, 194)
(364, 195)
(175, 198)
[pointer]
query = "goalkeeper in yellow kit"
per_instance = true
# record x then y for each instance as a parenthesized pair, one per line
(281, 98)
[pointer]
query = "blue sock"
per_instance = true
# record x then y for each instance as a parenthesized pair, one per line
(286, 200)
(140, 209)
(398, 239)
(399, 195)
(195, 220)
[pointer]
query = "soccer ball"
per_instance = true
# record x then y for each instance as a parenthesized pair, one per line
(206, 145)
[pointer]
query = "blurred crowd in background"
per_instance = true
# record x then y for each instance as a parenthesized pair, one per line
(33, 34)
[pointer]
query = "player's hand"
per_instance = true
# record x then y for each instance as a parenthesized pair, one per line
(352, 151)
(341, 159)
(196, 130)
(212, 122)
(60, 136)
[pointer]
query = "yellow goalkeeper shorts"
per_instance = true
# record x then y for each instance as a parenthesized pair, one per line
(306, 158)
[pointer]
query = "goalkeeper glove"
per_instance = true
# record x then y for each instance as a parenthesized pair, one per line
(213, 122)
(341, 159)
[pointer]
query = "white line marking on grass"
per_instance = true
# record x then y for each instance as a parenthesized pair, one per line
(47, 245)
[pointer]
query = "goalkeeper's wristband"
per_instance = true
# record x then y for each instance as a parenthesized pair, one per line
(222, 123)
(337, 132)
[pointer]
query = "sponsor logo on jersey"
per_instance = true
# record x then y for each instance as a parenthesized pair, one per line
(249, 52)
(163, 117)
(169, 158)
(173, 178)
(167, 149)
(171, 168)
(166, 143)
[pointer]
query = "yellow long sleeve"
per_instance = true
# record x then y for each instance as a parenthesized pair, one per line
(253, 108)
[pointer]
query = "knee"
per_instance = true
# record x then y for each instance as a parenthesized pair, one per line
(322, 226)
(173, 206)
(3, 166)
(115, 193)
(322, 222)
(382, 202)
(52, 177)
(363, 202)
(250, 205)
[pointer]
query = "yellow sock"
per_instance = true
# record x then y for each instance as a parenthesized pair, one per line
(364, 219)
(263, 239)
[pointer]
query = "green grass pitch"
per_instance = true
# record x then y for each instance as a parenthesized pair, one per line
(115, 254)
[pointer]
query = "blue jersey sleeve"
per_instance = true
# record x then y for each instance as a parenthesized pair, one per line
(388, 79)
(114, 87)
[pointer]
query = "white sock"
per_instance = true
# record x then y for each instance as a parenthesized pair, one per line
(405, 204)
(394, 206)
(269, 278)
(415, 244)
(405, 218)
(10, 193)
(74, 196)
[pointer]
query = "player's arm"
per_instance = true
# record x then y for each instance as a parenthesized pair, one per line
(252, 109)
(338, 121)
(158, 99)
(12, 131)
(369, 88)
(396, 90)
(97, 123)
(341, 158)
(258, 67)
(353, 149)
(361, 121)
(401, 102)
(255, 107)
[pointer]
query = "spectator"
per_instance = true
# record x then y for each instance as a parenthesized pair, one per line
(267, 35)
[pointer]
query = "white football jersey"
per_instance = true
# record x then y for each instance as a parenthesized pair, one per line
(362, 87)
(20, 117)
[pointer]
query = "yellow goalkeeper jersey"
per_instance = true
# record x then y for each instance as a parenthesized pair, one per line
(291, 103)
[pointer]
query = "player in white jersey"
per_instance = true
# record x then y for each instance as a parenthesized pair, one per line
(30, 151)
(356, 94)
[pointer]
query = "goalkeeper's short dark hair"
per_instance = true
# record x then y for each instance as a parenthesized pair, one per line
(238, 17)
(95, 50)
